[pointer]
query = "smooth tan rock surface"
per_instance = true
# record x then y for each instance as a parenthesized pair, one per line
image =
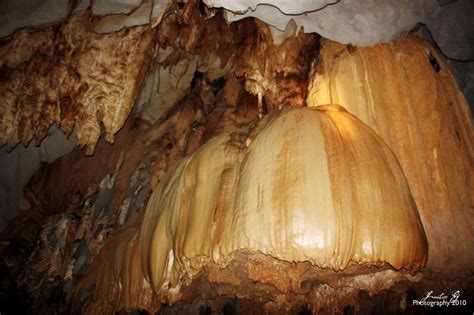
(423, 117)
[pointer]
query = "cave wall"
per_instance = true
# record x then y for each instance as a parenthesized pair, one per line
(367, 22)
(19, 165)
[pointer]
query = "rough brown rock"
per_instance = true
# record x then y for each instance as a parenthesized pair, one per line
(278, 74)
(70, 76)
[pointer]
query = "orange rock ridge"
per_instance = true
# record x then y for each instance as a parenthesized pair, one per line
(424, 118)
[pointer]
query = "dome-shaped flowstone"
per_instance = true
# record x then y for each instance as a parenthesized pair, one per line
(305, 185)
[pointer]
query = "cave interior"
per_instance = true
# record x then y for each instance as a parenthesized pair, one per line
(236, 157)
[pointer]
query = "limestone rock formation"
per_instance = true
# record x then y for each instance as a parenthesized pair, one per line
(366, 23)
(276, 72)
(405, 91)
(20, 165)
(313, 185)
(274, 69)
(71, 77)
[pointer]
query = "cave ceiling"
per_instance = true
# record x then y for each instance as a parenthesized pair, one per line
(365, 22)
(72, 83)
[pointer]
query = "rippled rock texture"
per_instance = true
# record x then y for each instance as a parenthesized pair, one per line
(71, 77)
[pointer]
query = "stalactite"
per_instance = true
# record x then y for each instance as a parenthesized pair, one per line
(71, 77)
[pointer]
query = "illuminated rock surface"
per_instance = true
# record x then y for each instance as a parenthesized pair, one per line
(303, 185)
(420, 113)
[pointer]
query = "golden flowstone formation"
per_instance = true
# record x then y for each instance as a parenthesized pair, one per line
(304, 184)
(424, 118)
